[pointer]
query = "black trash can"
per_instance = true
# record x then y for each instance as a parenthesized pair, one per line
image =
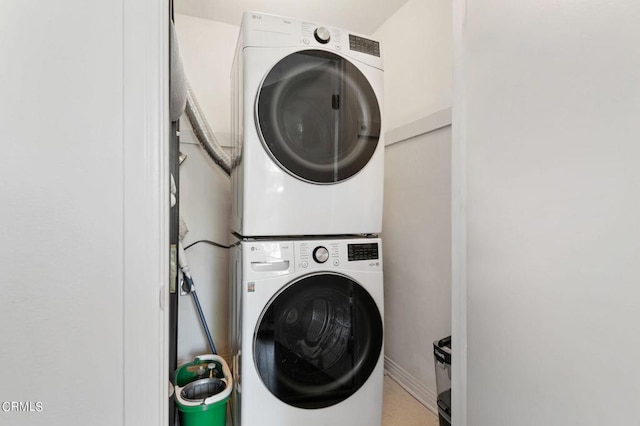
(442, 359)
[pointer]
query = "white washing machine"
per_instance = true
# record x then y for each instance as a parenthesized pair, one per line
(307, 332)
(308, 142)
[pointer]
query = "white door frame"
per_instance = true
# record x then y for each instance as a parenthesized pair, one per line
(458, 222)
(146, 211)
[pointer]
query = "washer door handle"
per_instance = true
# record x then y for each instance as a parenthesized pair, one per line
(280, 265)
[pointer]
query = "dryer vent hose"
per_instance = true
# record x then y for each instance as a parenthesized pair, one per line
(204, 133)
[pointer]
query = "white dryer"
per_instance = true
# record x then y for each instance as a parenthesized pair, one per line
(307, 332)
(307, 131)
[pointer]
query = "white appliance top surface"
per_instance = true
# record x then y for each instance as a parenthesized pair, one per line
(363, 16)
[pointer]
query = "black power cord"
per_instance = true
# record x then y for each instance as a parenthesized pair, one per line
(213, 243)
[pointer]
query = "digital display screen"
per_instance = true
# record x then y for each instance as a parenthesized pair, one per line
(366, 251)
(364, 45)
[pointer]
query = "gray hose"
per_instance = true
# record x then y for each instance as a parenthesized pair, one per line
(204, 133)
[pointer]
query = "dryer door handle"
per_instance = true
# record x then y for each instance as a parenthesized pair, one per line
(280, 265)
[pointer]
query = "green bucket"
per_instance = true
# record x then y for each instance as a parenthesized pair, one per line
(202, 389)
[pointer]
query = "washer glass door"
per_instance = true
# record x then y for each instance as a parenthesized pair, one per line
(318, 341)
(318, 116)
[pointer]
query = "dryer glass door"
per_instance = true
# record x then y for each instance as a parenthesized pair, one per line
(318, 116)
(318, 341)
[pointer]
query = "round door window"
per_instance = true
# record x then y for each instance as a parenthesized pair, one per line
(318, 116)
(318, 341)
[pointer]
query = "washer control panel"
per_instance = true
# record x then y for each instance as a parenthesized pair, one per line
(320, 254)
(358, 254)
(262, 259)
(366, 251)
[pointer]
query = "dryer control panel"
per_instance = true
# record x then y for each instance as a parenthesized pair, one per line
(259, 29)
(364, 45)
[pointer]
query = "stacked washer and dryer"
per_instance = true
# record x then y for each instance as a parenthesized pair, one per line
(306, 188)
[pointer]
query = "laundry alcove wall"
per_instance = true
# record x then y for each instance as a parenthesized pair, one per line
(207, 49)
(416, 231)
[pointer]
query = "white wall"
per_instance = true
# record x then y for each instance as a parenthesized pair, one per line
(416, 239)
(69, 116)
(551, 101)
(62, 220)
(207, 49)
(417, 48)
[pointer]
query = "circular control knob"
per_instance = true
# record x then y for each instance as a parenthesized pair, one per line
(320, 254)
(322, 35)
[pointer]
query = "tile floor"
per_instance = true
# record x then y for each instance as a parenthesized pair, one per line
(401, 409)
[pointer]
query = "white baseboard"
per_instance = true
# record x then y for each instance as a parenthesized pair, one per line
(423, 394)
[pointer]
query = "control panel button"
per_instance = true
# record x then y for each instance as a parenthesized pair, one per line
(322, 35)
(336, 262)
(320, 254)
(304, 264)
